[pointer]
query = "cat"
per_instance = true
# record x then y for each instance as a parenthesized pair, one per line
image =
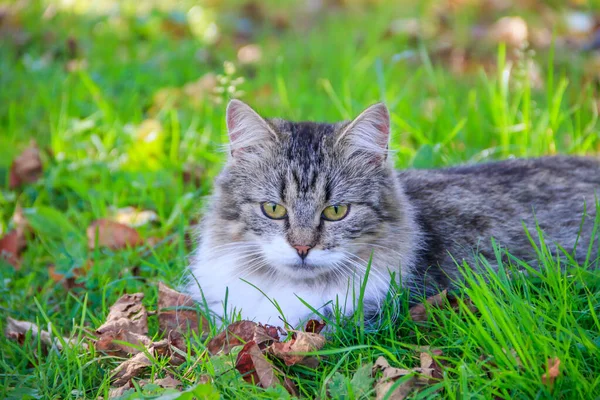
(301, 208)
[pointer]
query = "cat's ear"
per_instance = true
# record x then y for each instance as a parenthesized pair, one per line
(246, 128)
(368, 134)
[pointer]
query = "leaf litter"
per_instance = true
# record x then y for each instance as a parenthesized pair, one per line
(112, 234)
(17, 330)
(429, 371)
(26, 168)
(125, 334)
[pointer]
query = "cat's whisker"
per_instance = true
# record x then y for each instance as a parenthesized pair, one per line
(245, 253)
(362, 266)
(252, 267)
(239, 245)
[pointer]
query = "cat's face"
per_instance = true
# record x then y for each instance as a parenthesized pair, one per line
(306, 197)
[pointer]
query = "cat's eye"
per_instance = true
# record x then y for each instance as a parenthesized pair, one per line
(273, 210)
(335, 212)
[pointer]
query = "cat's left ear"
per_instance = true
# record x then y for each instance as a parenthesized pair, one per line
(247, 130)
(369, 133)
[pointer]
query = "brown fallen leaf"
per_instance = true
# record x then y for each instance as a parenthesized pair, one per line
(127, 321)
(137, 364)
(107, 343)
(70, 282)
(127, 313)
(255, 368)
(294, 351)
(419, 377)
(240, 333)
(429, 363)
(26, 168)
(11, 246)
(111, 234)
(17, 330)
(132, 367)
(167, 383)
(314, 326)
(389, 376)
(20, 221)
(553, 371)
(114, 393)
(14, 242)
(177, 312)
(418, 313)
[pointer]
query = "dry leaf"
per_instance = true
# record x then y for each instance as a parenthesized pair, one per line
(71, 281)
(132, 367)
(127, 321)
(418, 313)
(177, 311)
(314, 326)
(254, 367)
(112, 234)
(16, 330)
(168, 382)
(26, 168)
(294, 351)
(134, 218)
(239, 333)
(11, 246)
(553, 369)
(107, 343)
(127, 313)
(420, 377)
(172, 347)
(20, 222)
(119, 391)
(429, 363)
(389, 377)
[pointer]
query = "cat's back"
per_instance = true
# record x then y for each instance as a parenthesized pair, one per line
(508, 173)
(466, 205)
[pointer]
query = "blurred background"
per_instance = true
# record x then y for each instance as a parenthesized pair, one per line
(113, 80)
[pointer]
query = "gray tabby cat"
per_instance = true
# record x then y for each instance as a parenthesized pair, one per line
(300, 207)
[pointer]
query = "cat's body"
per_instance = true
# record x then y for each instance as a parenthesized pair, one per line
(460, 208)
(301, 207)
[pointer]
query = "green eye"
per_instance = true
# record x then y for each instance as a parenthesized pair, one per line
(273, 210)
(336, 212)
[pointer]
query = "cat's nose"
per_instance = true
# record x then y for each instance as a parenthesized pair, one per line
(302, 251)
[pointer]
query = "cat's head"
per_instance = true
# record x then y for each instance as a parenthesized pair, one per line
(307, 198)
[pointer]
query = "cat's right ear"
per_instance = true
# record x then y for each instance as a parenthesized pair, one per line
(246, 128)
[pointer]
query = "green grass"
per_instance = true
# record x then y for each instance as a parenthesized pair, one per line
(326, 66)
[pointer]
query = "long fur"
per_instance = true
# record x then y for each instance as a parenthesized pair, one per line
(414, 224)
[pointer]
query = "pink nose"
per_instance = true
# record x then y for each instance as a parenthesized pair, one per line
(302, 251)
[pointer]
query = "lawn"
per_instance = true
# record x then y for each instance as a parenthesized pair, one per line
(125, 101)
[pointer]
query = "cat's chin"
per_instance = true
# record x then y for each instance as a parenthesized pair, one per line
(304, 270)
